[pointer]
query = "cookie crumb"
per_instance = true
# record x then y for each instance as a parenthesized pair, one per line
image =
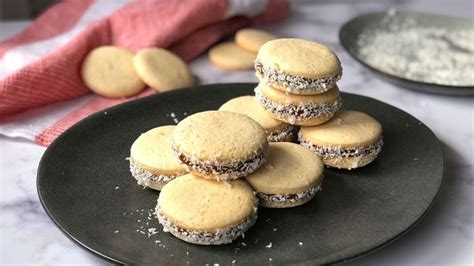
(117, 188)
(116, 231)
(274, 229)
(300, 243)
(269, 245)
(415, 159)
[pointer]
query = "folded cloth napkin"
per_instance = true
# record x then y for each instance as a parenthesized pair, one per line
(39, 67)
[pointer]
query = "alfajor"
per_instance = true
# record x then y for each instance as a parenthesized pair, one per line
(302, 110)
(290, 177)
(349, 140)
(220, 145)
(298, 66)
(206, 212)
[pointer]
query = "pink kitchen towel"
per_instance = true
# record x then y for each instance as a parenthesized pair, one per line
(40, 66)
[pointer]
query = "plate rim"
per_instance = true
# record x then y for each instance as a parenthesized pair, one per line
(50, 148)
(435, 88)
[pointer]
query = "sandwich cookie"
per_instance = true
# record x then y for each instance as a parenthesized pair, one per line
(220, 145)
(290, 177)
(230, 56)
(302, 110)
(298, 66)
(350, 140)
(109, 71)
(162, 70)
(206, 212)
(152, 160)
(276, 130)
(252, 39)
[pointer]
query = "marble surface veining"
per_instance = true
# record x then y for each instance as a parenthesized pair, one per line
(444, 237)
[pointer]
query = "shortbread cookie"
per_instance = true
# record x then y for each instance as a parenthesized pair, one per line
(230, 56)
(220, 145)
(290, 177)
(298, 66)
(252, 39)
(109, 71)
(349, 140)
(206, 212)
(152, 160)
(303, 110)
(162, 70)
(276, 130)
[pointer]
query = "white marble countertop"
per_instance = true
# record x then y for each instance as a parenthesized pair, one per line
(445, 236)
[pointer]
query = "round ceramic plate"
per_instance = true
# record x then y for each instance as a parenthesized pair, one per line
(86, 188)
(353, 29)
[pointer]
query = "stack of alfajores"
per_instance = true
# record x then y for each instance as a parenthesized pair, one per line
(298, 86)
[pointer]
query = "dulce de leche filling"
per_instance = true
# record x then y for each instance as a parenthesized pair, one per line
(328, 152)
(299, 112)
(288, 133)
(223, 170)
(295, 83)
(146, 178)
(289, 198)
(220, 236)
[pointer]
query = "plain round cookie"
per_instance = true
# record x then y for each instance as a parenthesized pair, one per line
(230, 56)
(153, 162)
(162, 70)
(350, 140)
(302, 110)
(298, 66)
(276, 130)
(252, 39)
(206, 212)
(291, 176)
(109, 71)
(220, 145)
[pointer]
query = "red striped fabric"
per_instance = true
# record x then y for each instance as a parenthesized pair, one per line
(187, 27)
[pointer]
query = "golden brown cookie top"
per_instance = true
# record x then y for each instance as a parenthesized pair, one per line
(289, 169)
(162, 70)
(152, 151)
(109, 71)
(346, 129)
(195, 203)
(299, 58)
(252, 39)
(249, 106)
(219, 136)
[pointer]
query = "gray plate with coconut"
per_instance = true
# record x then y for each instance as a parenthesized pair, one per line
(420, 51)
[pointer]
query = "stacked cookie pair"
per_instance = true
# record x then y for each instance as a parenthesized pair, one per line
(232, 169)
(298, 86)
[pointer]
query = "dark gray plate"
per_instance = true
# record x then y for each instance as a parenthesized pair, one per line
(86, 188)
(351, 30)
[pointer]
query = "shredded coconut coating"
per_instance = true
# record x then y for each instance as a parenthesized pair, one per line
(146, 178)
(221, 236)
(339, 152)
(223, 170)
(287, 133)
(299, 112)
(295, 84)
(289, 198)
